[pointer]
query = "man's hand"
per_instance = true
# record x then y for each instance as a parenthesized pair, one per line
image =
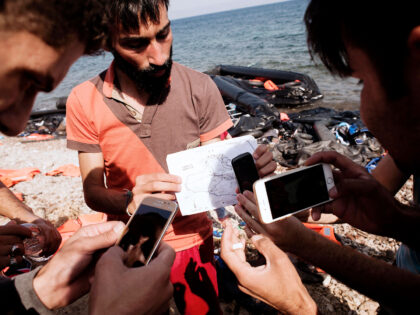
(11, 243)
(264, 161)
(161, 185)
(276, 283)
(51, 235)
(118, 289)
(284, 233)
(359, 199)
(66, 276)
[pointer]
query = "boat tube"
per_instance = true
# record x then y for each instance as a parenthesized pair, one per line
(254, 93)
(289, 88)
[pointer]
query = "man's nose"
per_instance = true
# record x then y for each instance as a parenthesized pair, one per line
(156, 54)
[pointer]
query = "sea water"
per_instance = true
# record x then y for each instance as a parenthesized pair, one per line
(270, 36)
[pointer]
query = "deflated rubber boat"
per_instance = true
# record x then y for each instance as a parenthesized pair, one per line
(252, 94)
(277, 87)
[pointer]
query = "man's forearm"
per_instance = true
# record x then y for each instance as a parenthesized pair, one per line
(106, 200)
(374, 278)
(406, 225)
(13, 208)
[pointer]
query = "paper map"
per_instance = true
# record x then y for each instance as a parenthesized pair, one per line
(208, 181)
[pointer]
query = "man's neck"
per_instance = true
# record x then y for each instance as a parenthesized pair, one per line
(134, 97)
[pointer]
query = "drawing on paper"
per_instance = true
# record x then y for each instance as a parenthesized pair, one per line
(208, 181)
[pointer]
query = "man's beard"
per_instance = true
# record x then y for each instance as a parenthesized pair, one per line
(145, 80)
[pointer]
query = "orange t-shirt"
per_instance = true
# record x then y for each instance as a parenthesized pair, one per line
(191, 111)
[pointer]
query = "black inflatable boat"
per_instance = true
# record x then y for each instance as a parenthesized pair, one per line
(255, 93)
(289, 88)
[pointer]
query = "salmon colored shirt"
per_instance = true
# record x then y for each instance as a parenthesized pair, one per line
(191, 111)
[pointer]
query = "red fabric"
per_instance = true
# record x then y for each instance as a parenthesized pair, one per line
(38, 137)
(66, 170)
(12, 177)
(194, 278)
(68, 228)
(325, 230)
(223, 135)
(284, 117)
(18, 195)
(270, 85)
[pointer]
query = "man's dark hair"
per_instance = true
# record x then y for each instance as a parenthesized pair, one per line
(380, 28)
(127, 15)
(58, 22)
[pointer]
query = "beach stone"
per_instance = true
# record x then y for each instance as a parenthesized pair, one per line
(61, 198)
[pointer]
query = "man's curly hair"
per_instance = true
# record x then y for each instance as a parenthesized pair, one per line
(58, 22)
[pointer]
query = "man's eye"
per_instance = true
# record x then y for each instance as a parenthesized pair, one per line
(33, 82)
(135, 46)
(163, 35)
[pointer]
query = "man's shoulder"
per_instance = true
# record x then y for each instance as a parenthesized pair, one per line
(91, 84)
(189, 73)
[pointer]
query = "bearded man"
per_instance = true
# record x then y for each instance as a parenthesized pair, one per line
(125, 122)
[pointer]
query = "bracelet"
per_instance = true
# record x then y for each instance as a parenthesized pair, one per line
(129, 196)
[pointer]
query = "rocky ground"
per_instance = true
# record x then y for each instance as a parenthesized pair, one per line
(60, 198)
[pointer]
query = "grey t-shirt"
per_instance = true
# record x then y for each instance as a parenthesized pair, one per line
(17, 295)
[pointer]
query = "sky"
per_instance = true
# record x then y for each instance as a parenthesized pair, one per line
(186, 8)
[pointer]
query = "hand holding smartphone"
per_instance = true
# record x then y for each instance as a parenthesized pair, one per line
(145, 229)
(291, 192)
(245, 171)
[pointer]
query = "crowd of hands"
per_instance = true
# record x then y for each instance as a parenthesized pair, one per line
(89, 261)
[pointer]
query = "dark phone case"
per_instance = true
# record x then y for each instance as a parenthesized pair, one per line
(245, 171)
(125, 241)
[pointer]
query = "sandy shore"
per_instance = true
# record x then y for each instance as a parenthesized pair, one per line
(60, 198)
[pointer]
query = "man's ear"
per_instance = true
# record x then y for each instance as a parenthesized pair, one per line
(414, 42)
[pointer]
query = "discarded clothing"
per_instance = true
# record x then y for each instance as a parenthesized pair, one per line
(71, 226)
(38, 137)
(324, 129)
(66, 170)
(11, 177)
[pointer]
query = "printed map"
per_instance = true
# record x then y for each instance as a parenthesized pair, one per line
(208, 181)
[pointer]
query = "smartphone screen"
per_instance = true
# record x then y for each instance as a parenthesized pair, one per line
(245, 171)
(142, 233)
(297, 191)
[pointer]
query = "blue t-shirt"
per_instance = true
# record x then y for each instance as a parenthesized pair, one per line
(407, 258)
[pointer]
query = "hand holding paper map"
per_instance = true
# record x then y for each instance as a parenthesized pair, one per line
(208, 181)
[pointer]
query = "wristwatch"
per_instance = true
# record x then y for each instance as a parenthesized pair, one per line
(128, 198)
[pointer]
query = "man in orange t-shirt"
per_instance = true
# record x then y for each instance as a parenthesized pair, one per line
(125, 122)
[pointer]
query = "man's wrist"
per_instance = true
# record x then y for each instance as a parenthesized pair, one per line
(301, 233)
(128, 195)
(404, 225)
(303, 304)
(26, 215)
(42, 288)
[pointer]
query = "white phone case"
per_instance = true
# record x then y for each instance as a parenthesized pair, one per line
(263, 204)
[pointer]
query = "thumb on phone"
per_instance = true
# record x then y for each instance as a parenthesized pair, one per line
(165, 257)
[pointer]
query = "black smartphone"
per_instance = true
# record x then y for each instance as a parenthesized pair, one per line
(245, 171)
(145, 229)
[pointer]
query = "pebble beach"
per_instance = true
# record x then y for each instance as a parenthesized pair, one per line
(59, 198)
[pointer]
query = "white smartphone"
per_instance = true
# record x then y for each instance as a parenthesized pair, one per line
(283, 195)
(145, 229)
